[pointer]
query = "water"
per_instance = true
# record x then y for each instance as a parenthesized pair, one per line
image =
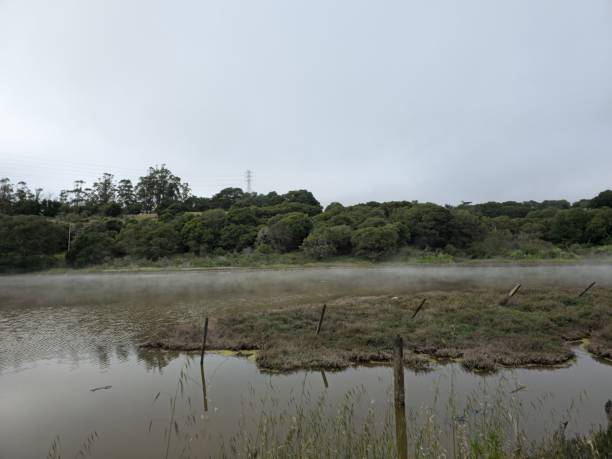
(62, 335)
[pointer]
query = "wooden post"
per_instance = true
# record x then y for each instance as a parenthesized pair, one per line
(204, 388)
(608, 410)
(204, 341)
(324, 379)
(419, 308)
(591, 285)
(511, 293)
(321, 319)
(399, 399)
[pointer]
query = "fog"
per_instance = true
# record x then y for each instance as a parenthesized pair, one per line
(235, 287)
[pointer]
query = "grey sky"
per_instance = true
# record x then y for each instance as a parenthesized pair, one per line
(355, 100)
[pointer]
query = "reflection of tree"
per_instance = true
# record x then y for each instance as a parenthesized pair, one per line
(102, 353)
(155, 358)
(123, 352)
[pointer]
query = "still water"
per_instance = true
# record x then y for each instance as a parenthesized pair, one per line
(63, 335)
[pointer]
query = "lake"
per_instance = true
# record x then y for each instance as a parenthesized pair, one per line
(62, 335)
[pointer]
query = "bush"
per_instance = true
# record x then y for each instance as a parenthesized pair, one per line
(203, 233)
(30, 242)
(150, 239)
(327, 242)
(375, 242)
(569, 226)
(285, 233)
(430, 225)
(94, 244)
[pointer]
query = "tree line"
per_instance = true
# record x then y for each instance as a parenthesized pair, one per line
(158, 217)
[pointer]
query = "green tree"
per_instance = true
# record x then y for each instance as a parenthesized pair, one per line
(599, 228)
(160, 188)
(603, 199)
(328, 241)
(302, 197)
(375, 242)
(202, 234)
(95, 243)
(430, 225)
(226, 198)
(286, 232)
(569, 226)
(150, 238)
(30, 242)
(104, 190)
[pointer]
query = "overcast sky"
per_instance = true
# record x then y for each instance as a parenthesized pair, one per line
(354, 100)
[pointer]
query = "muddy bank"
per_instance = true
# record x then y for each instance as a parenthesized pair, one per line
(534, 328)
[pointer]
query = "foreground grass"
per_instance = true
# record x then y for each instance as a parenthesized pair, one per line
(536, 327)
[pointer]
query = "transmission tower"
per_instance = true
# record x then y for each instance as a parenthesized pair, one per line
(249, 180)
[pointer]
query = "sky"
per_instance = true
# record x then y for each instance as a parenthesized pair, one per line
(355, 100)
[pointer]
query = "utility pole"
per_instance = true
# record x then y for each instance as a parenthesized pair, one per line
(249, 179)
(69, 234)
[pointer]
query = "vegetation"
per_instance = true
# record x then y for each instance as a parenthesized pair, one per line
(535, 328)
(158, 218)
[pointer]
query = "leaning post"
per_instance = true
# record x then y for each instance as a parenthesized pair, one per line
(504, 301)
(321, 319)
(591, 285)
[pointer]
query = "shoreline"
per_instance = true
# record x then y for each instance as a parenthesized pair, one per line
(348, 264)
(468, 325)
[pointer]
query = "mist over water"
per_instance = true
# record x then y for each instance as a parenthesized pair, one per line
(61, 334)
(212, 286)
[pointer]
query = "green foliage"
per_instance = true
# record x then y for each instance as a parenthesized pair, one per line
(202, 234)
(151, 239)
(328, 242)
(160, 188)
(430, 225)
(569, 226)
(233, 221)
(286, 232)
(29, 242)
(94, 244)
(375, 242)
(603, 199)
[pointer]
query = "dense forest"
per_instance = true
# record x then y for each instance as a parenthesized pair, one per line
(159, 218)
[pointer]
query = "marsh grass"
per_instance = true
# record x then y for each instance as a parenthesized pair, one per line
(488, 423)
(535, 328)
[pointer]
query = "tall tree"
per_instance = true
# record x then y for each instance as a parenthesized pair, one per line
(6, 190)
(104, 189)
(160, 188)
(125, 193)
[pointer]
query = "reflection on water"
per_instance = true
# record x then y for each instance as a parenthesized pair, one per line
(61, 335)
(83, 315)
(53, 398)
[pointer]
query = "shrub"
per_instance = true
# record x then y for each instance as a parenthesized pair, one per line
(151, 239)
(375, 242)
(327, 242)
(286, 233)
(29, 242)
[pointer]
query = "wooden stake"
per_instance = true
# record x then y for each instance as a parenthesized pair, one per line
(399, 399)
(321, 319)
(512, 292)
(591, 285)
(419, 308)
(324, 379)
(204, 341)
(204, 388)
